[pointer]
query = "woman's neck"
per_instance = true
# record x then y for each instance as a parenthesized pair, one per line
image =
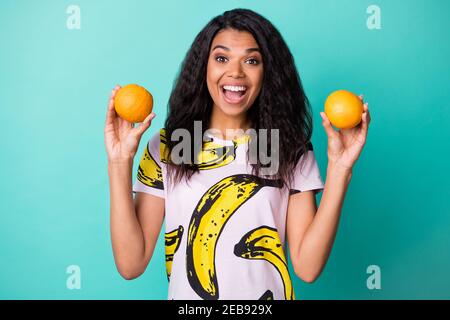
(223, 122)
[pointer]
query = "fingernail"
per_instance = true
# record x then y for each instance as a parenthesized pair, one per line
(152, 115)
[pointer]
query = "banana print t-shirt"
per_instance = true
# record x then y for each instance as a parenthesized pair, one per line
(225, 228)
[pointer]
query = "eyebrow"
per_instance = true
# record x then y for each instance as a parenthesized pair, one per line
(228, 49)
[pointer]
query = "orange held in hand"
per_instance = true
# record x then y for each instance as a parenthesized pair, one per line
(344, 109)
(133, 103)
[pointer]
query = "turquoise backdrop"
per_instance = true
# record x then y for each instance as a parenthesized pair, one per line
(54, 87)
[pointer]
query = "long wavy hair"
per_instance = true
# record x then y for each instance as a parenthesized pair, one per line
(281, 103)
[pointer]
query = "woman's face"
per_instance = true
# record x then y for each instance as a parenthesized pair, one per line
(234, 72)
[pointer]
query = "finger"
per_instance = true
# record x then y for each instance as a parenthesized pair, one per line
(365, 120)
(361, 97)
(125, 124)
(110, 113)
(115, 90)
(368, 114)
(145, 124)
(327, 125)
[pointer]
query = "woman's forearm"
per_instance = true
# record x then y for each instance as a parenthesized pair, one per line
(126, 233)
(319, 237)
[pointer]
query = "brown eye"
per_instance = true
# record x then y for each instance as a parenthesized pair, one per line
(221, 59)
(253, 61)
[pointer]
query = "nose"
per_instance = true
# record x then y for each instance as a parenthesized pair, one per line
(235, 70)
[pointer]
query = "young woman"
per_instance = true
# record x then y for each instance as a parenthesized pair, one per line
(226, 222)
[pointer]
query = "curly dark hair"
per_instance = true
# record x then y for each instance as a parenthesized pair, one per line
(281, 103)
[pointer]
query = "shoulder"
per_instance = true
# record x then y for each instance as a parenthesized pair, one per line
(157, 138)
(305, 155)
(156, 145)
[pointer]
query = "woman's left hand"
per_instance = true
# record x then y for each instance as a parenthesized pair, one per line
(345, 145)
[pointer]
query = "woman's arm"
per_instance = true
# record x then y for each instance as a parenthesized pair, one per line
(135, 223)
(311, 232)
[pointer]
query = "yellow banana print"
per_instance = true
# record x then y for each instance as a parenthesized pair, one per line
(149, 172)
(172, 242)
(213, 155)
(214, 209)
(163, 151)
(263, 243)
(268, 295)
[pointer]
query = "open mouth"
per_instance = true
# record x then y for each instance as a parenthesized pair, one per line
(234, 94)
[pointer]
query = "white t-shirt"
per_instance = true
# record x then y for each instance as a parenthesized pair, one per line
(225, 230)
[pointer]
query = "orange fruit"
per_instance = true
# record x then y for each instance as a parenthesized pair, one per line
(133, 103)
(344, 109)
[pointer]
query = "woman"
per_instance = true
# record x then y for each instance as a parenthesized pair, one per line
(226, 218)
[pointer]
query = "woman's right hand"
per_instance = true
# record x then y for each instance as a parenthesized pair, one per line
(122, 137)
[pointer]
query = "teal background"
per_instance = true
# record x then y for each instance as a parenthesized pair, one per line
(55, 84)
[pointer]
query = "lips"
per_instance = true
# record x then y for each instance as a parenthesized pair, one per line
(234, 94)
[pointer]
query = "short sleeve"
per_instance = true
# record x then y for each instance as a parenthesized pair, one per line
(149, 176)
(307, 174)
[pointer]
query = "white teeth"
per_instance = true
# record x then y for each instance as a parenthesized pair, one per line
(235, 88)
